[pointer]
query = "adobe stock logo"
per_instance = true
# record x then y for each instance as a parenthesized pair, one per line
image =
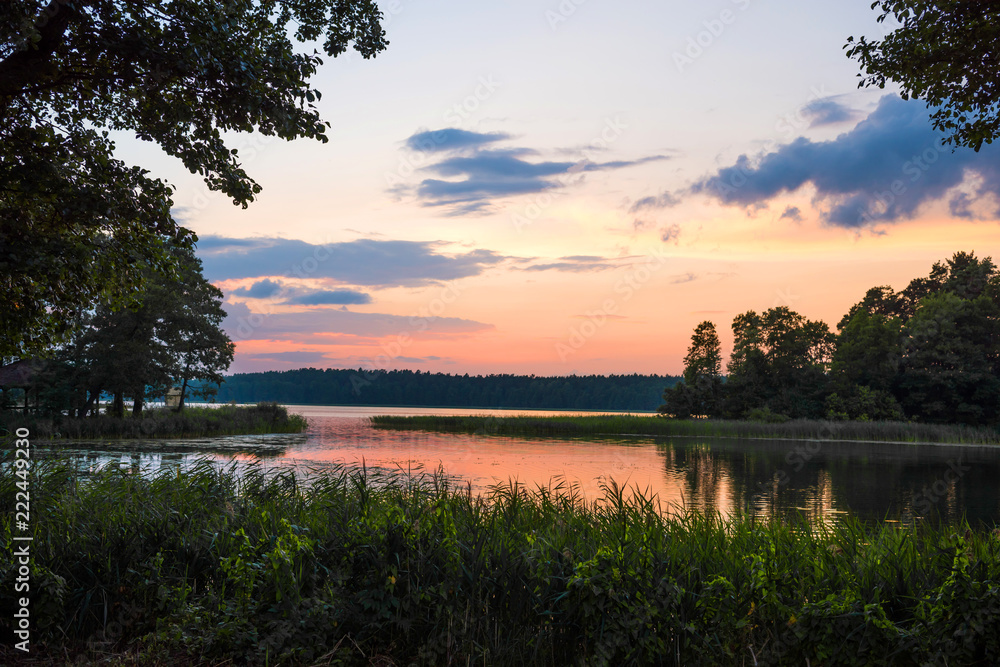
(625, 289)
(713, 29)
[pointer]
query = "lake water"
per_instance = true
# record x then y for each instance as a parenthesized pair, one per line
(768, 478)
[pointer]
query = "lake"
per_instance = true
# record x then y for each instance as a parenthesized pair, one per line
(767, 478)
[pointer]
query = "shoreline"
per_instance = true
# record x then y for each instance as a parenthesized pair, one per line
(161, 424)
(631, 426)
(782, 439)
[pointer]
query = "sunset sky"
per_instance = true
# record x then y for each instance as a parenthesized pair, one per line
(551, 187)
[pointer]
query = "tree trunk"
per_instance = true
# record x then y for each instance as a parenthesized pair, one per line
(93, 408)
(184, 385)
(118, 407)
(137, 400)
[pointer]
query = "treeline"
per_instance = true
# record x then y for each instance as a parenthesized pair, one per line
(312, 386)
(928, 353)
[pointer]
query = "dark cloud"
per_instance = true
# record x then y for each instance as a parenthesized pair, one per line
(472, 176)
(883, 170)
(261, 289)
(361, 262)
(792, 213)
(330, 298)
(682, 278)
(665, 200)
(488, 175)
(450, 139)
(828, 111)
(328, 326)
(671, 233)
(960, 206)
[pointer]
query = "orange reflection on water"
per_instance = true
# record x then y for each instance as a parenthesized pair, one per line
(484, 461)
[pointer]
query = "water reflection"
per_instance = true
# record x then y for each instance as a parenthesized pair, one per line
(766, 478)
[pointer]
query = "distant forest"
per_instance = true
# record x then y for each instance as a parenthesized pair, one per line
(312, 386)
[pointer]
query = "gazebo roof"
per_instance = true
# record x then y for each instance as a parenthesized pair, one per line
(17, 374)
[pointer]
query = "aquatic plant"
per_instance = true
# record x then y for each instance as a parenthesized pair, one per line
(243, 566)
(650, 426)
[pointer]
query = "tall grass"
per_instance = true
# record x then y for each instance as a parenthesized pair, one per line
(661, 426)
(163, 423)
(213, 567)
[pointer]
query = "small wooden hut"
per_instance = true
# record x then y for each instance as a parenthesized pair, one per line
(18, 375)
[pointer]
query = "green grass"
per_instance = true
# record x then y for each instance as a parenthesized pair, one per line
(654, 426)
(219, 567)
(162, 423)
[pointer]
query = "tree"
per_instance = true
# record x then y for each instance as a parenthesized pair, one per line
(77, 222)
(949, 360)
(700, 392)
(171, 338)
(123, 355)
(704, 356)
(779, 361)
(868, 351)
(197, 347)
(935, 345)
(946, 53)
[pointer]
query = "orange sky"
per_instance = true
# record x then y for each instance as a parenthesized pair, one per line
(516, 200)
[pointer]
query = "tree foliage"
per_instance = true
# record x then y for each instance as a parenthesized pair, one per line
(930, 352)
(945, 53)
(704, 356)
(170, 338)
(779, 361)
(698, 394)
(78, 222)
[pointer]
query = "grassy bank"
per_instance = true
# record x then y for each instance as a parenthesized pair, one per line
(162, 423)
(213, 568)
(661, 426)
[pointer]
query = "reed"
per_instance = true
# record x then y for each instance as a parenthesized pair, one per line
(654, 426)
(244, 566)
(162, 423)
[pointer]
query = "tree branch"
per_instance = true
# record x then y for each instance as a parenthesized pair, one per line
(31, 65)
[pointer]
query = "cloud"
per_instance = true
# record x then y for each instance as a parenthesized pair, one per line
(828, 111)
(471, 176)
(882, 170)
(682, 278)
(327, 326)
(261, 289)
(671, 233)
(576, 264)
(792, 213)
(362, 262)
(608, 316)
(450, 139)
(664, 200)
(296, 356)
(330, 298)
(219, 243)
(960, 206)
